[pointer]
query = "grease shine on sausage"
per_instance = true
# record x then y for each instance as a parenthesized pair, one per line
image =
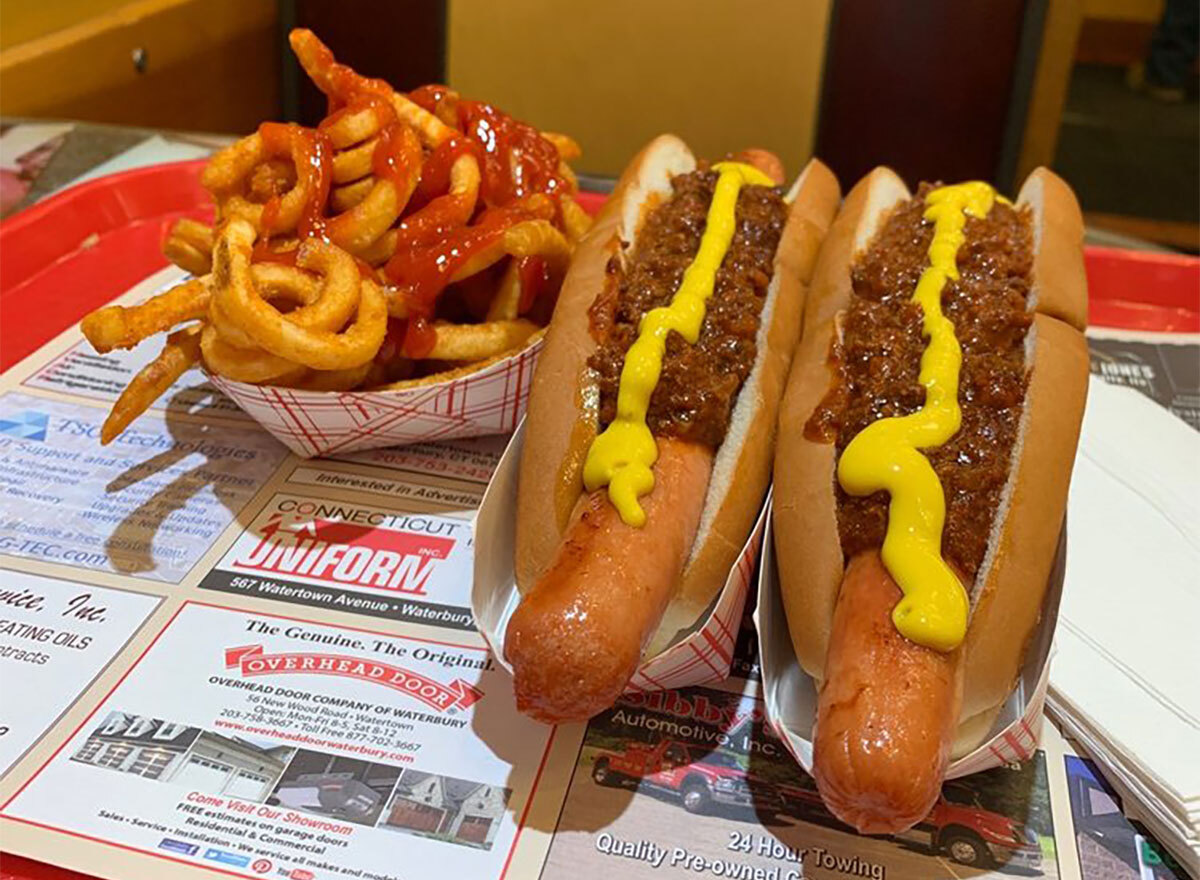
(889, 710)
(577, 636)
(886, 711)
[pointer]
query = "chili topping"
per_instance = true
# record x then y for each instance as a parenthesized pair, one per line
(696, 391)
(681, 336)
(878, 362)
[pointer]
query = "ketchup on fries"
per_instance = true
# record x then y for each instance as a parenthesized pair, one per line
(403, 236)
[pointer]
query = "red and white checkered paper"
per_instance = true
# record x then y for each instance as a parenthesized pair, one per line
(790, 698)
(705, 654)
(311, 423)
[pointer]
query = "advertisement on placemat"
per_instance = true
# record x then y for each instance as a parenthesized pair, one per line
(350, 557)
(80, 370)
(745, 648)
(55, 638)
(1163, 366)
(1111, 847)
(322, 751)
(149, 504)
(446, 476)
(692, 783)
(470, 459)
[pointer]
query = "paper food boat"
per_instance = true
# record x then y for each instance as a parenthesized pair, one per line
(702, 654)
(473, 402)
(790, 695)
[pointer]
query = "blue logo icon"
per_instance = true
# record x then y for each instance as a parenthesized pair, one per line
(188, 849)
(27, 425)
(226, 858)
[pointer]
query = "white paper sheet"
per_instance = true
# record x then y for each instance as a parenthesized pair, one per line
(1128, 654)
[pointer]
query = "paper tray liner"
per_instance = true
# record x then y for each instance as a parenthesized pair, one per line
(703, 654)
(790, 695)
(490, 400)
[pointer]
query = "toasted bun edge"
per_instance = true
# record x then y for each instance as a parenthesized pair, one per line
(742, 466)
(561, 417)
(807, 545)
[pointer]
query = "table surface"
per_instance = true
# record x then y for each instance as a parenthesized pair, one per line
(83, 149)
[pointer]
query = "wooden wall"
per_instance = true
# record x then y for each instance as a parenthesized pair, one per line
(923, 86)
(724, 75)
(211, 65)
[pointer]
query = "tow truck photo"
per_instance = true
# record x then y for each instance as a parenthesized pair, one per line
(958, 827)
(699, 777)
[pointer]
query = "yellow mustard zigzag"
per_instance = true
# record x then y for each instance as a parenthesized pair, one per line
(885, 456)
(622, 456)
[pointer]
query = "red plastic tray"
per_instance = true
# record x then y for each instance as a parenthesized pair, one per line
(1140, 290)
(19, 868)
(77, 250)
(80, 248)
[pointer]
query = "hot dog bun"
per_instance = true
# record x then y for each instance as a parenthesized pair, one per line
(804, 499)
(561, 418)
(1006, 602)
(562, 415)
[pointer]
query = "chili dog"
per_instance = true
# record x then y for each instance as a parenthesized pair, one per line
(659, 382)
(926, 440)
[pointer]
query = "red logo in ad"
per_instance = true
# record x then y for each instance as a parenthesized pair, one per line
(696, 706)
(353, 554)
(252, 661)
(301, 874)
(261, 866)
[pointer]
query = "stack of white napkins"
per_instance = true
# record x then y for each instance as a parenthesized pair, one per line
(1125, 679)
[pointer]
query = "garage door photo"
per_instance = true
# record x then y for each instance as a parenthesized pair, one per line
(445, 808)
(201, 760)
(335, 786)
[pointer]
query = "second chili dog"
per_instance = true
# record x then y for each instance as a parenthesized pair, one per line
(659, 381)
(927, 436)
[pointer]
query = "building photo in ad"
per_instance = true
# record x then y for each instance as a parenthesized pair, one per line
(167, 751)
(336, 787)
(445, 808)
(687, 781)
(1111, 847)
